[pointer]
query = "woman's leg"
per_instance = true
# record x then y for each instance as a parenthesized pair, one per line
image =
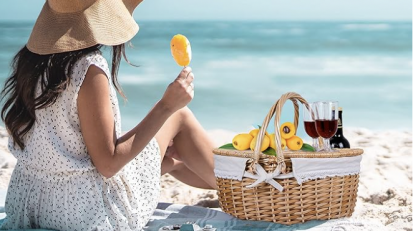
(181, 172)
(193, 147)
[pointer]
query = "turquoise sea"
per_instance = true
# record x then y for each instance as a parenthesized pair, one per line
(242, 68)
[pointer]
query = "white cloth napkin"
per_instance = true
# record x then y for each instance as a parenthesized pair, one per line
(229, 167)
(304, 169)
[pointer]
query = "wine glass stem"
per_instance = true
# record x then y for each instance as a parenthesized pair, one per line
(315, 144)
(327, 146)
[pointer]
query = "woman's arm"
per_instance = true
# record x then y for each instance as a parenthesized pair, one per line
(108, 153)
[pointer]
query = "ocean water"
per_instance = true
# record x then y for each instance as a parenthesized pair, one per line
(242, 68)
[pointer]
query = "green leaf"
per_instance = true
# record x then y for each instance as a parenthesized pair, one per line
(307, 148)
(228, 146)
(270, 151)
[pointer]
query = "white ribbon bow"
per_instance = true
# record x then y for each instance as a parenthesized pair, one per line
(262, 176)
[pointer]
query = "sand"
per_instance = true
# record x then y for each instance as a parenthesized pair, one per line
(385, 189)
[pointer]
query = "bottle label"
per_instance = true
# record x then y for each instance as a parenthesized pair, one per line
(339, 123)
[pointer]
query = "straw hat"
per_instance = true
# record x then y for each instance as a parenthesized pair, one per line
(68, 25)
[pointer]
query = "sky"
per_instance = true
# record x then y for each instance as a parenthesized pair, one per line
(288, 10)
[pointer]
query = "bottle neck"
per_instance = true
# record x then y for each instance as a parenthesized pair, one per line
(340, 124)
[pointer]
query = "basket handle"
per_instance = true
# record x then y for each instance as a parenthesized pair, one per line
(276, 110)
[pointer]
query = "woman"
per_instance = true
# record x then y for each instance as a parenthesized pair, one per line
(75, 171)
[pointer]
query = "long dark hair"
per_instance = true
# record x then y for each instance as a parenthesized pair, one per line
(51, 72)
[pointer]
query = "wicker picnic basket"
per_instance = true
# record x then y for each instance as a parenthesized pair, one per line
(318, 199)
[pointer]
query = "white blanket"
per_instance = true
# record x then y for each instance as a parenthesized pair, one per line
(169, 214)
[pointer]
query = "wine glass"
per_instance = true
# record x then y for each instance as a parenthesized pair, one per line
(326, 121)
(309, 123)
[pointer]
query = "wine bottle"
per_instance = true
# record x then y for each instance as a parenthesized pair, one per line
(338, 140)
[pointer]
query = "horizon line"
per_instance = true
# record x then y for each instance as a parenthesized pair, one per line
(245, 20)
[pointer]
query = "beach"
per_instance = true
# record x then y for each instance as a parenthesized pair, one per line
(385, 188)
(242, 68)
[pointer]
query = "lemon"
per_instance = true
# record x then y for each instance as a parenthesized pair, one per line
(264, 145)
(272, 140)
(273, 143)
(295, 143)
(287, 130)
(242, 141)
(254, 132)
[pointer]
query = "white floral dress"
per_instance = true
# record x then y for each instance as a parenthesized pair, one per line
(56, 186)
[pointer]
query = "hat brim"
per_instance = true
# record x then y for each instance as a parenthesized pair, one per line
(105, 22)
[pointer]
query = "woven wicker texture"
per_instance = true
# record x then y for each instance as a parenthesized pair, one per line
(77, 24)
(320, 199)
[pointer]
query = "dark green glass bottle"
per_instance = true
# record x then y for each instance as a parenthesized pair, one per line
(338, 140)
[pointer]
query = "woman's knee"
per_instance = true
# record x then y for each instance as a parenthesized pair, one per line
(186, 116)
(172, 127)
(185, 112)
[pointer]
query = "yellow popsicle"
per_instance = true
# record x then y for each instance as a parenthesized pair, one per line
(181, 50)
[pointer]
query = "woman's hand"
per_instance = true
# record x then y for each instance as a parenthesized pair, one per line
(180, 92)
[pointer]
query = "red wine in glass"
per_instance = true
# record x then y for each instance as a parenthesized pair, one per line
(326, 128)
(309, 123)
(310, 129)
